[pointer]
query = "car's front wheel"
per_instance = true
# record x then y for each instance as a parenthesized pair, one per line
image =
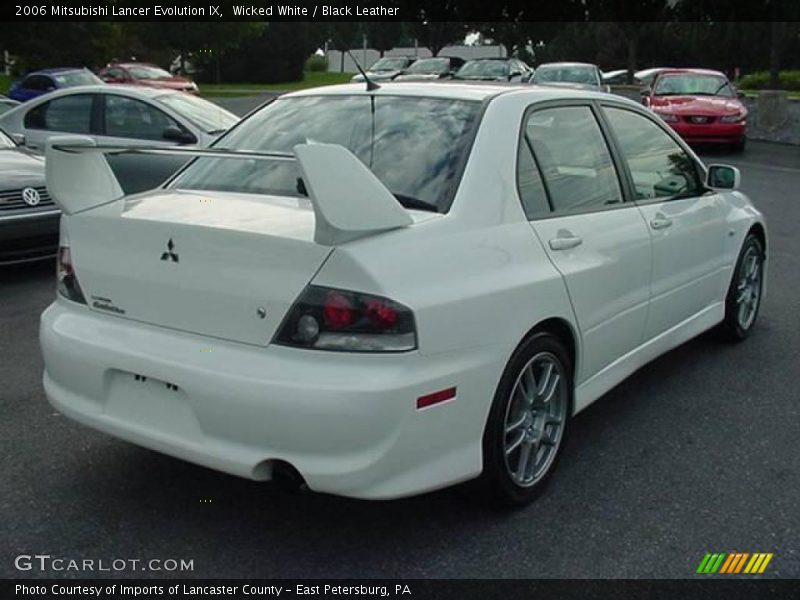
(528, 420)
(739, 146)
(744, 294)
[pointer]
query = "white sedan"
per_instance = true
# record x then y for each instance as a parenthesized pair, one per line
(387, 292)
(121, 114)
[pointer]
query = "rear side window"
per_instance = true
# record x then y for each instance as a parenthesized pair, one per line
(129, 118)
(573, 157)
(71, 114)
(660, 168)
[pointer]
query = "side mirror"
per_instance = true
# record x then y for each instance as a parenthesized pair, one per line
(176, 134)
(607, 89)
(19, 138)
(723, 178)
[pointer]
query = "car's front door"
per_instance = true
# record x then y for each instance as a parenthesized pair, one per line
(598, 242)
(687, 222)
(133, 122)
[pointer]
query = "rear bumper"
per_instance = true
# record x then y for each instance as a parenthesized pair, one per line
(347, 422)
(28, 237)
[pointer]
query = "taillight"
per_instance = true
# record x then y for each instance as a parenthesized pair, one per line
(331, 319)
(68, 285)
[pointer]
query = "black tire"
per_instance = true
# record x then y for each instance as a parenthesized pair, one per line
(732, 327)
(738, 147)
(496, 479)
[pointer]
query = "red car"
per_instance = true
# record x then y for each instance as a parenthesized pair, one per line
(700, 105)
(145, 74)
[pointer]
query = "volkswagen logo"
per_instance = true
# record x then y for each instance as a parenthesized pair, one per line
(30, 196)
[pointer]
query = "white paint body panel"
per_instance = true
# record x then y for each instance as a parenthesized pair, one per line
(478, 279)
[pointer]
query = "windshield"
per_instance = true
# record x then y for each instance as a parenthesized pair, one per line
(146, 72)
(389, 64)
(415, 146)
(73, 78)
(429, 65)
(207, 116)
(693, 85)
(573, 74)
(6, 141)
(484, 68)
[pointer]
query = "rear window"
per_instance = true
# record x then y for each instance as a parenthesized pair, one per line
(415, 146)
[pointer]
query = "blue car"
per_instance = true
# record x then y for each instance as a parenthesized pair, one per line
(40, 82)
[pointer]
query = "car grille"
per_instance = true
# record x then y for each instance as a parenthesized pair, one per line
(699, 119)
(12, 200)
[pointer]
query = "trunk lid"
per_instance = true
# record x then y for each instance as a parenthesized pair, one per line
(200, 263)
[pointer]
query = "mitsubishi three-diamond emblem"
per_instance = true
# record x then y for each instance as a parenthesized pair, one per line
(170, 254)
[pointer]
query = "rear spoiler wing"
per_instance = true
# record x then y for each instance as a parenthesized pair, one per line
(349, 201)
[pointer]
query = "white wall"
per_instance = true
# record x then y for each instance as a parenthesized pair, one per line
(369, 56)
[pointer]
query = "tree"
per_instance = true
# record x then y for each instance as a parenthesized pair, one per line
(383, 35)
(647, 15)
(214, 38)
(343, 35)
(47, 44)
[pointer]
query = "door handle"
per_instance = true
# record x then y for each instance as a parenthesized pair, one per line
(660, 222)
(564, 243)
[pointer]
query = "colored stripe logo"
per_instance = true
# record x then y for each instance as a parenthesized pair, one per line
(734, 563)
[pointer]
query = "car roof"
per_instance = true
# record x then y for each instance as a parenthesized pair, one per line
(102, 88)
(566, 64)
(457, 90)
(55, 70)
(133, 64)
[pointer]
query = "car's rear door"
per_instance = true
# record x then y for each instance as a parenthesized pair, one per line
(686, 221)
(600, 244)
(73, 113)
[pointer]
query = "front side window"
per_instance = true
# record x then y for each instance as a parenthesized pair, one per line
(129, 118)
(659, 166)
(574, 159)
(71, 114)
(40, 83)
(415, 146)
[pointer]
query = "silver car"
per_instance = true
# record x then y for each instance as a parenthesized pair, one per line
(126, 115)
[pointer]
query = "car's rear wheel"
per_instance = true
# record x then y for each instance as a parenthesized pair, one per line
(528, 421)
(744, 294)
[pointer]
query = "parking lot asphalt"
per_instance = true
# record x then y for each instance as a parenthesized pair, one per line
(697, 452)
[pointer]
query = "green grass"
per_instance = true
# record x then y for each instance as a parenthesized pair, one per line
(5, 83)
(754, 94)
(310, 80)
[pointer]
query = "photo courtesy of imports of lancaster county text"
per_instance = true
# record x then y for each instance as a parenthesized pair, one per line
(398, 306)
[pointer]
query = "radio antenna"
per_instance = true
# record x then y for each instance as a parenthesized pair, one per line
(371, 85)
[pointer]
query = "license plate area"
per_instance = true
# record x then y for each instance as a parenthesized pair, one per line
(152, 403)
